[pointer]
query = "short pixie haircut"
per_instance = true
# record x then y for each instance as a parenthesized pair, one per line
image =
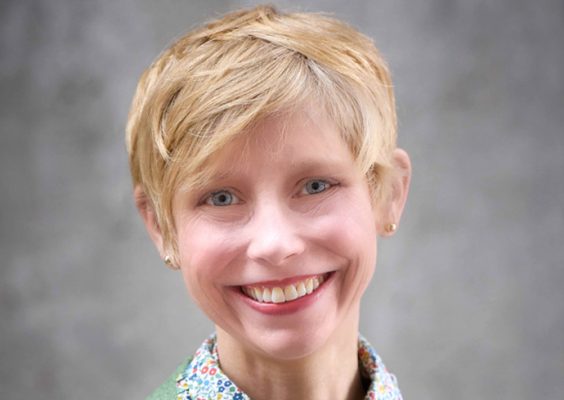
(213, 84)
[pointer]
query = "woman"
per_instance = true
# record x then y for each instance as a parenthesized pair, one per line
(263, 154)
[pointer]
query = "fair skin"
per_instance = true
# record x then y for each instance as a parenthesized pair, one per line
(287, 211)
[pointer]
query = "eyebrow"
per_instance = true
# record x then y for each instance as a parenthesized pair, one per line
(312, 165)
(220, 176)
(315, 164)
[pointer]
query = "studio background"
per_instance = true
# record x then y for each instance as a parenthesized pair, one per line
(467, 301)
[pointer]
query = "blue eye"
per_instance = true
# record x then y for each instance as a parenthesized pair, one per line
(222, 198)
(316, 186)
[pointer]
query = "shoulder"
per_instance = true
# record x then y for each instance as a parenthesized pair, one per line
(167, 391)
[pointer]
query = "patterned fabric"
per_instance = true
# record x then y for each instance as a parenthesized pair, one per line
(203, 379)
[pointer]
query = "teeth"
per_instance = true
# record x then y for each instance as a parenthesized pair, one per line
(258, 294)
(288, 293)
(278, 295)
(309, 286)
(266, 296)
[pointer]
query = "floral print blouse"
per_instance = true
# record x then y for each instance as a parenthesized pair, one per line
(202, 379)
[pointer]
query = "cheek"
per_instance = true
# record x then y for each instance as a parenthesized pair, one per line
(350, 233)
(350, 225)
(205, 258)
(203, 254)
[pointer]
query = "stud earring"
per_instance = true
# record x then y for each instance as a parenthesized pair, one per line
(168, 261)
(391, 228)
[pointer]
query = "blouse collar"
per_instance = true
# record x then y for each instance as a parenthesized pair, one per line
(204, 379)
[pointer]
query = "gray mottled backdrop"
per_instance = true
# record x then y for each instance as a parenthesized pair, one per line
(468, 300)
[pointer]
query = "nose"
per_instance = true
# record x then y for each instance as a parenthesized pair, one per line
(274, 235)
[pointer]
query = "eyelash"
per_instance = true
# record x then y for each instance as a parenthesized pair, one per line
(235, 200)
(327, 185)
(209, 199)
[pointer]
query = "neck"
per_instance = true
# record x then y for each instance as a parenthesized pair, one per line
(330, 372)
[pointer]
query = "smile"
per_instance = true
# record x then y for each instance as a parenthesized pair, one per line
(287, 293)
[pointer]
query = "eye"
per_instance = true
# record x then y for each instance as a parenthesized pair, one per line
(222, 198)
(316, 186)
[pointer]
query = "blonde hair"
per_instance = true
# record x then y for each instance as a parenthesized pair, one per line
(215, 82)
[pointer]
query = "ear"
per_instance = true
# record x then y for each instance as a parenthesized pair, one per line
(149, 218)
(395, 202)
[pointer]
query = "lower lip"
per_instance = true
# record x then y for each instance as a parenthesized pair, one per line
(288, 307)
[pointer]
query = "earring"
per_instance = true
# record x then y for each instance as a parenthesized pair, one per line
(391, 228)
(168, 261)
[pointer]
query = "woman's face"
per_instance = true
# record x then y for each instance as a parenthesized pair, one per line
(287, 209)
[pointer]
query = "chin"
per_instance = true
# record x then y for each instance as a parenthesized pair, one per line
(289, 345)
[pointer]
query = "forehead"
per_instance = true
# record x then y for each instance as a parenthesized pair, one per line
(300, 138)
